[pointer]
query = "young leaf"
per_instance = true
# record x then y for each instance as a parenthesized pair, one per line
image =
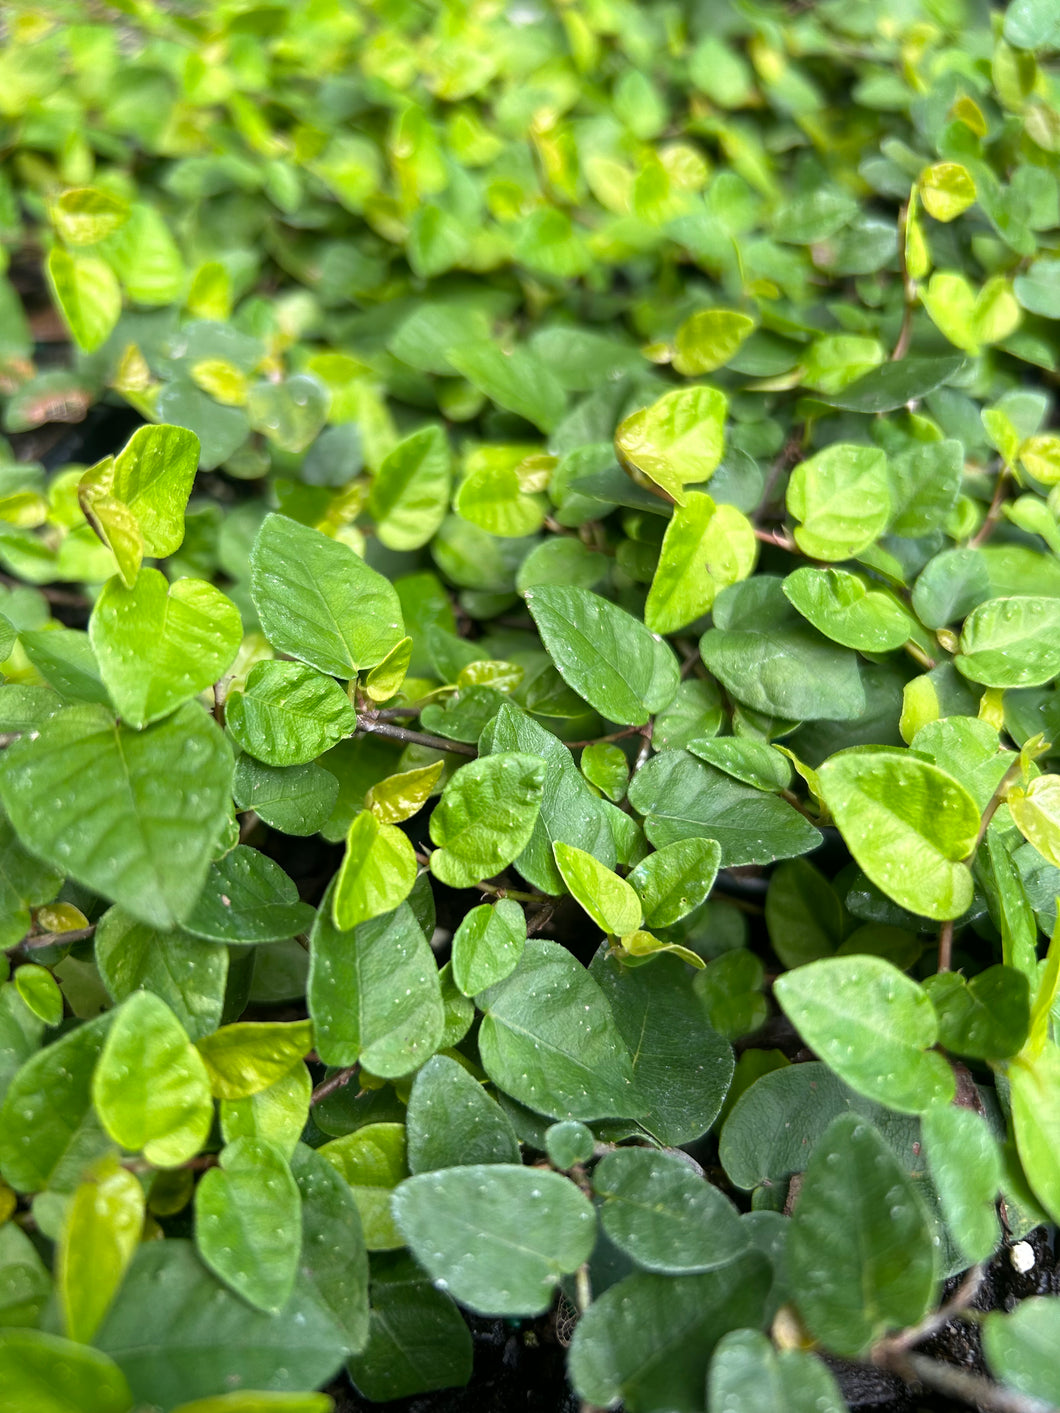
(487, 945)
(160, 644)
(150, 1087)
(409, 496)
(609, 900)
(372, 1161)
(678, 440)
(674, 880)
(248, 1223)
(485, 817)
(1011, 642)
(88, 296)
(706, 547)
(909, 824)
(53, 1375)
(377, 872)
(873, 1026)
(842, 497)
(100, 1233)
(245, 1058)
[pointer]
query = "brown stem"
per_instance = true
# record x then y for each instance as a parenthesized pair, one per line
(30, 943)
(339, 1080)
(498, 890)
(780, 538)
(993, 514)
(992, 807)
(601, 740)
(961, 1299)
(959, 1384)
(945, 946)
(371, 726)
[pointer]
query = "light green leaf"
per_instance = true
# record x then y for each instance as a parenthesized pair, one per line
(909, 824)
(374, 993)
(85, 215)
(1035, 1091)
(153, 476)
(846, 609)
(319, 601)
(965, 1163)
(674, 880)
(399, 797)
(606, 766)
(1035, 812)
(101, 1230)
(409, 496)
(500, 1236)
(487, 945)
(290, 413)
(605, 654)
(47, 1374)
(485, 817)
(40, 992)
(706, 547)
(88, 295)
(609, 900)
(873, 1026)
(150, 1087)
(860, 1253)
(747, 1375)
(288, 713)
(452, 1121)
(946, 189)
(132, 814)
(708, 340)
(843, 499)
(372, 1160)
(1011, 642)
(377, 872)
(663, 1215)
(247, 1057)
(562, 1056)
(160, 644)
(1020, 1348)
(753, 762)
(677, 441)
(570, 811)
(186, 972)
(248, 1223)
(277, 1113)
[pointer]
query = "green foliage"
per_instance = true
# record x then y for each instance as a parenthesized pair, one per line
(582, 596)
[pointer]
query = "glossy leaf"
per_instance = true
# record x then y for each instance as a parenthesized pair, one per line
(873, 1026)
(678, 440)
(377, 872)
(487, 945)
(500, 1236)
(603, 653)
(706, 547)
(609, 900)
(319, 601)
(132, 814)
(485, 817)
(101, 1231)
(288, 714)
(158, 644)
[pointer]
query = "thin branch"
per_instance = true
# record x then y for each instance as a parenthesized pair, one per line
(371, 726)
(30, 943)
(602, 740)
(992, 807)
(958, 1383)
(780, 538)
(945, 962)
(498, 890)
(961, 1299)
(993, 514)
(339, 1080)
